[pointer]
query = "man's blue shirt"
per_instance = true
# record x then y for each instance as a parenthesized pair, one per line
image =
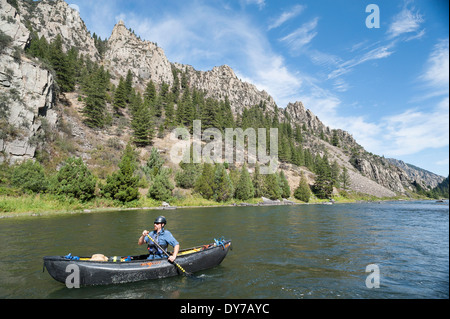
(165, 238)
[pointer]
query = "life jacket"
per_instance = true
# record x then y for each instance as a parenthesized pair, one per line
(152, 249)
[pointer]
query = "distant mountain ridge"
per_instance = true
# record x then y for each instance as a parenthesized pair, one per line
(125, 52)
(418, 174)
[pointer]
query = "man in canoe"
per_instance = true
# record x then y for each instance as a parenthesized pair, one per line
(163, 237)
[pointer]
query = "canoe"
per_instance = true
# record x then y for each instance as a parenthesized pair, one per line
(133, 268)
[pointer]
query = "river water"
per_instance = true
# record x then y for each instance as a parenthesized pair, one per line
(279, 252)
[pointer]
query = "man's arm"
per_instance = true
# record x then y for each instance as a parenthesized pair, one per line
(141, 240)
(176, 249)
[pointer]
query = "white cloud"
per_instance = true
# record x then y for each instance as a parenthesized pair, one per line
(260, 3)
(340, 85)
(380, 52)
(287, 15)
(407, 133)
(413, 131)
(301, 37)
(406, 21)
(436, 74)
(443, 162)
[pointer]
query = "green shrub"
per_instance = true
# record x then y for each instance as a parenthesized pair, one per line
(161, 188)
(123, 184)
(188, 175)
(74, 180)
(303, 192)
(244, 188)
(29, 176)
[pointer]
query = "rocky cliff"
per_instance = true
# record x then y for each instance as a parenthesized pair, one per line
(428, 179)
(27, 92)
(221, 81)
(144, 59)
(52, 17)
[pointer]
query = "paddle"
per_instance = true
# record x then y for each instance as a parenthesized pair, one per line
(188, 274)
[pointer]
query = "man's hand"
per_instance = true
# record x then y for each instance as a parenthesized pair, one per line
(176, 249)
(141, 240)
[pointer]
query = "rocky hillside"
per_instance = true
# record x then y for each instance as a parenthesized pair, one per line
(26, 90)
(29, 104)
(428, 179)
(50, 18)
(144, 59)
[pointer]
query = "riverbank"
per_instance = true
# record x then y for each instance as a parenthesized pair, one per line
(49, 205)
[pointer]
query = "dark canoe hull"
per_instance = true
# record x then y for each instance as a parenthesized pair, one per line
(110, 272)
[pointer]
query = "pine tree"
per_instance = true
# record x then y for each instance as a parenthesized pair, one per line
(309, 162)
(228, 119)
(335, 139)
(184, 79)
(187, 113)
(188, 175)
(298, 157)
(258, 182)
(75, 65)
(154, 164)
(142, 125)
(303, 192)
(38, 47)
(323, 186)
(176, 84)
(284, 185)
(244, 188)
(298, 134)
(179, 115)
(122, 185)
(203, 185)
(150, 97)
(209, 114)
(136, 103)
(335, 172)
(235, 176)
(169, 118)
(62, 66)
(120, 97)
(95, 103)
(164, 93)
(128, 86)
(272, 186)
(150, 93)
(198, 102)
(161, 187)
(345, 178)
(223, 188)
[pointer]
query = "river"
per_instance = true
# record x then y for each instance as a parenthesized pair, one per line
(279, 252)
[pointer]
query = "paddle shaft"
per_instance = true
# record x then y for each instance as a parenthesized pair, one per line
(167, 254)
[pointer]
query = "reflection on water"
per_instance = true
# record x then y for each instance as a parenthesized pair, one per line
(306, 251)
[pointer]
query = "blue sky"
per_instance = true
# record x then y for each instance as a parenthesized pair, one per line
(387, 86)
